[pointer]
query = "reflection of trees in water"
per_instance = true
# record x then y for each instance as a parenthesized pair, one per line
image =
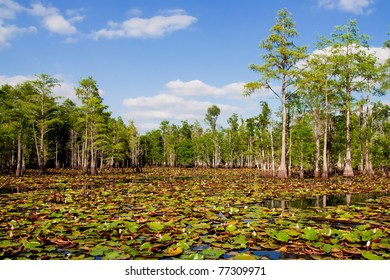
(322, 201)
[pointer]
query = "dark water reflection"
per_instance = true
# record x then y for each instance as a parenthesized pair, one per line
(322, 201)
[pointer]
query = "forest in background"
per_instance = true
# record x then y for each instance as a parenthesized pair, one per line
(327, 122)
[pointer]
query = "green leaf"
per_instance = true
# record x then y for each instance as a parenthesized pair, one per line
(156, 226)
(230, 228)
(145, 246)
(282, 236)
(213, 253)
(327, 248)
(241, 239)
(132, 227)
(371, 256)
(98, 251)
(309, 234)
(111, 255)
(245, 256)
(192, 257)
(183, 245)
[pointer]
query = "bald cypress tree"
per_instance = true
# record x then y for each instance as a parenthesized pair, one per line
(279, 70)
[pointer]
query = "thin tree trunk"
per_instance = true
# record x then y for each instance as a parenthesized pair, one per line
(348, 171)
(282, 171)
(325, 172)
(362, 148)
(42, 152)
(272, 150)
(19, 159)
(93, 156)
(368, 164)
(302, 171)
(317, 172)
(84, 156)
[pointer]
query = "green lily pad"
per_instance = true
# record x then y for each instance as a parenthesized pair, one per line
(241, 240)
(245, 256)
(98, 251)
(112, 255)
(282, 236)
(183, 245)
(371, 256)
(327, 248)
(192, 257)
(213, 253)
(309, 234)
(145, 246)
(156, 226)
(230, 228)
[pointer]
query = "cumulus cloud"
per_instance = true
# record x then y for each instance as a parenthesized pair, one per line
(381, 53)
(8, 10)
(137, 27)
(9, 31)
(353, 6)
(199, 88)
(180, 100)
(53, 21)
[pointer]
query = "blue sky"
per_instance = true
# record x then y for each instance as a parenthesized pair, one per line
(171, 59)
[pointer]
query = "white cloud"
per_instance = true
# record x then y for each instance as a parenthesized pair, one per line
(154, 109)
(8, 10)
(180, 101)
(53, 21)
(199, 88)
(381, 53)
(9, 31)
(353, 6)
(137, 27)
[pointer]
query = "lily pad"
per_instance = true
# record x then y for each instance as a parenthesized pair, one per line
(245, 256)
(371, 256)
(282, 236)
(213, 253)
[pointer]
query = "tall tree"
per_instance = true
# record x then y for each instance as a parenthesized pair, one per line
(356, 71)
(43, 107)
(211, 119)
(280, 64)
(94, 117)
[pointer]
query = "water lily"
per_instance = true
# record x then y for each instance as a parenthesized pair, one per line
(368, 244)
(254, 233)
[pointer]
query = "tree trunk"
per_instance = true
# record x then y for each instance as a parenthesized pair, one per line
(93, 155)
(272, 150)
(325, 172)
(302, 171)
(282, 171)
(362, 148)
(348, 171)
(317, 172)
(19, 159)
(84, 156)
(42, 152)
(368, 164)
